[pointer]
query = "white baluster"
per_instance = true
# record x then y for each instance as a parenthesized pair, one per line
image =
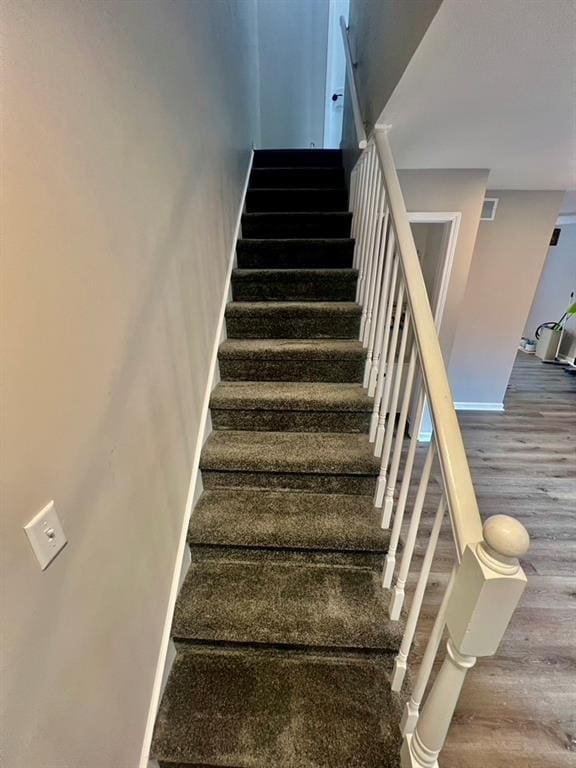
(486, 591)
(388, 432)
(375, 297)
(370, 255)
(359, 213)
(353, 190)
(390, 483)
(381, 339)
(390, 562)
(400, 663)
(381, 380)
(412, 708)
(375, 302)
(371, 163)
(375, 267)
(392, 367)
(397, 598)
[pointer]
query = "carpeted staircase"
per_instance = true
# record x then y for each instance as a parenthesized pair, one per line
(284, 645)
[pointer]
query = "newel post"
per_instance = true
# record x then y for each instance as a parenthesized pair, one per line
(488, 585)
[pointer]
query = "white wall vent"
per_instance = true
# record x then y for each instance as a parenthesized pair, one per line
(489, 209)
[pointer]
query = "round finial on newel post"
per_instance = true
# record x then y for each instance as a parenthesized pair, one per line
(505, 540)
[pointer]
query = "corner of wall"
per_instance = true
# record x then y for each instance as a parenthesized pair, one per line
(167, 652)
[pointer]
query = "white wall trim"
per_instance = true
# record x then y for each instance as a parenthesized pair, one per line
(470, 406)
(424, 436)
(453, 218)
(194, 488)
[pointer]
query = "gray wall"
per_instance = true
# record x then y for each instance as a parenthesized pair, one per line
(508, 259)
(125, 140)
(557, 284)
(293, 38)
(383, 35)
(450, 191)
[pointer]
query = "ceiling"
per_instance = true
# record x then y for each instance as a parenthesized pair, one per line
(492, 85)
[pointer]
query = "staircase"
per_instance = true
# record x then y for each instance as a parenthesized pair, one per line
(284, 645)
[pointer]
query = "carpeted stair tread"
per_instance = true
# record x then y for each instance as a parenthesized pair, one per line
(285, 604)
(293, 319)
(291, 406)
(293, 199)
(328, 360)
(295, 253)
(297, 158)
(289, 452)
(334, 224)
(226, 708)
(299, 178)
(288, 521)
(294, 284)
(293, 349)
(280, 395)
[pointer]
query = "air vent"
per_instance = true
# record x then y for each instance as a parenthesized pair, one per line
(489, 209)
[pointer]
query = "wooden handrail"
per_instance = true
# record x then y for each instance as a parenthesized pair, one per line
(359, 125)
(458, 486)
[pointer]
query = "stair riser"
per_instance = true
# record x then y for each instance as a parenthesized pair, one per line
(296, 178)
(290, 421)
(284, 289)
(291, 254)
(351, 559)
(296, 226)
(307, 327)
(291, 370)
(303, 158)
(363, 485)
(258, 200)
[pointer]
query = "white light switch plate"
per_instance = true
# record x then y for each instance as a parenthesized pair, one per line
(46, 535)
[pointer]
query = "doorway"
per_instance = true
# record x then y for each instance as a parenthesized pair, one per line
(335, 75)
(435, 236)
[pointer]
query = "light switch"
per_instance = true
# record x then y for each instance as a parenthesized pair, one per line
(46, 535)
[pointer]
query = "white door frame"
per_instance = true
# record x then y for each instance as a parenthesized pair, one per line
(335, 58)
(444, 273)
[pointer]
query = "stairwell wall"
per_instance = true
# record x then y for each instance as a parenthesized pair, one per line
(126, 137)
(508, 259)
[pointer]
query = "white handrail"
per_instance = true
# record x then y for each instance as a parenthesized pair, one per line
(458, 486)
(360, 132)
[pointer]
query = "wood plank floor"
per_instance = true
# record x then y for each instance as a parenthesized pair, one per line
(518, 709)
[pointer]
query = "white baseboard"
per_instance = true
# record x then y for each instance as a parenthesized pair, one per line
(424, 436)
(479, 406)
(165, 658)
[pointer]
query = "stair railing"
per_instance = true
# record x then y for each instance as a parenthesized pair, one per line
(404, 371)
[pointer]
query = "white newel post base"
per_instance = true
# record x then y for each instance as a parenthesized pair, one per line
(408, 757)
(487, 587)
(432, 726)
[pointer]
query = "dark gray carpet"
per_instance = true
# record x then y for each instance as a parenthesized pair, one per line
(284, 646)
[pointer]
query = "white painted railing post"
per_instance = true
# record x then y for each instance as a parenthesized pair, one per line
(487, 588)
